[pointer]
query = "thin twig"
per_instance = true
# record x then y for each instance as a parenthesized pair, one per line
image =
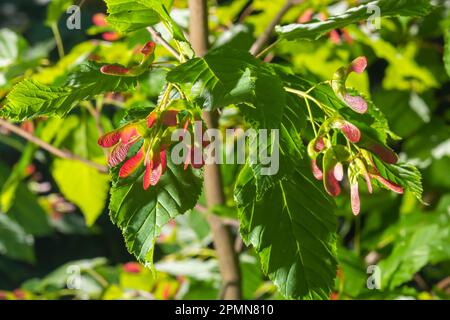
(247, 11)
(268, 48)
(48, 147)
(264, 37)
(58, 40)
(444, 284)
(159, 39)
(421, 283)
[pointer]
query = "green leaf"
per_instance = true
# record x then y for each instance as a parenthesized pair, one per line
(227, 76)
(407, 257)
(193, 268)
(14, 242)
(252, 277)
(291, 147)
(26, 211)
(408, 225)
(353, 272)
(88, 188)
(175, 30)
(30, 99)
(131, 15)
(387, 8)
(140, 214)
(8, 190)
(59, 277)
(60, 69)
(55, 9)
(293, 230)
(403, 174)
(11, 46)
(82, 185)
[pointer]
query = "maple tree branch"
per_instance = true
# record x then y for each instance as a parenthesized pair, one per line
(160, 40)
(48, 147)
(221, 232)
(264, 37)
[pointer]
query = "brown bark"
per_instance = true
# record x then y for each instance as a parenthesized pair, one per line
(223, 240)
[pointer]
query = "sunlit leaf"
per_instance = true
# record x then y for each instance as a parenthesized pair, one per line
(140, 213)
(387, 8)
(293, 230)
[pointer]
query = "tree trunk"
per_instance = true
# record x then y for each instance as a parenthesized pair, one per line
(223, 240)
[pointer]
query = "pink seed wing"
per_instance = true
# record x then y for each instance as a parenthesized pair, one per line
(187, 161)
(156, 175)
(153, 172)
(118, 154)
(163, 158)
(356, 103)
(186, 125)
(317, 173)
(331, 184)
(368, 182)
(351, 132)
(338, 171)
(110, 36)
(306, 16)
(147, 175)
(389, 184)
(99, 19)
(131, 164)
(359, 64)
(114, 70)
(128, 133)
(384, 153)
(151, 120)
(335, 37)
(110, 139)
(347, 36)
(354, 197)
(319, 144)
(149, 48)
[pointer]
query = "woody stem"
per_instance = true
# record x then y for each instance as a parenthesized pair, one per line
(51, 149)
(160, 40)
(222, 237)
